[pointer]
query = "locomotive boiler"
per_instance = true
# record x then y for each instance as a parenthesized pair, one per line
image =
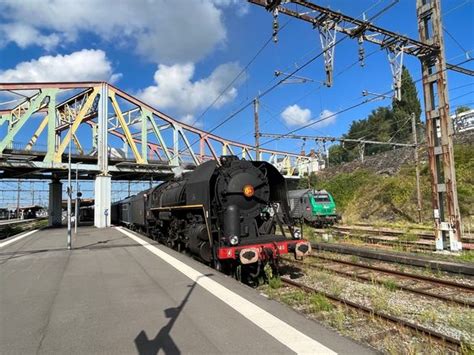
(232, 214)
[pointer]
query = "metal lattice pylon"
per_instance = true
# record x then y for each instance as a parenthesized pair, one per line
(395, 58)
(327, 35)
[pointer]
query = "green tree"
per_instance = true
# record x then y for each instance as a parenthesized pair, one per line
(337, 154)
(383, 124)
(377, 126)
(461, 109)
(402, 110)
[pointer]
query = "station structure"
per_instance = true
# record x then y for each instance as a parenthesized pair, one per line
(113, 136)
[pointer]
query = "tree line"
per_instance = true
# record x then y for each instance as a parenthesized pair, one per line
(385, 124)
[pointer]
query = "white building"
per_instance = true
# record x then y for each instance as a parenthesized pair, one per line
(464, 121)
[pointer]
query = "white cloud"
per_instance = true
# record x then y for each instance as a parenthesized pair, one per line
(296, 116)
(327, 117)
(175, 90)
(162, 31)
(24, 35)
(84, 65)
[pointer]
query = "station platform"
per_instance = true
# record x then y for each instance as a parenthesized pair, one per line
(119, 292)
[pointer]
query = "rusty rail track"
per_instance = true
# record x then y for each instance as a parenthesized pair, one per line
(398, 258)
(378, 239)
(388, 232)
(423, 290)
(371, 311)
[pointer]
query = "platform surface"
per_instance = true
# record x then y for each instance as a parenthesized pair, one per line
(121, 295)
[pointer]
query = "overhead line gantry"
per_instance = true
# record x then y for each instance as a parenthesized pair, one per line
(429, 49)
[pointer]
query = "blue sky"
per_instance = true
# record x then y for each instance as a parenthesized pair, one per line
(179, 55)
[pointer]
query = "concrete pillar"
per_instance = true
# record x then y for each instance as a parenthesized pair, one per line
(55, 200)
(102, 201)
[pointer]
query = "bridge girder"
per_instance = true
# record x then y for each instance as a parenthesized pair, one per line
(72, 111)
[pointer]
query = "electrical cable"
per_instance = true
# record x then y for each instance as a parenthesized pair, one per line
(455, 8)
(271, 88)
(313, 122)
(456, 41)
(262, 48)
(458, 97)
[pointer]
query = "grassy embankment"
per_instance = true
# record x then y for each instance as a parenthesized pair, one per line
(363, 196)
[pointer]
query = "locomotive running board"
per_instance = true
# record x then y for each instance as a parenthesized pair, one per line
(176, 207)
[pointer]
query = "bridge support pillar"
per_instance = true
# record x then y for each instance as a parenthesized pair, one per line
(54, 207)
(102, 201)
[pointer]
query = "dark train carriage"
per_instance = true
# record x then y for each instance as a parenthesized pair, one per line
(115, 212)
(4, 213)
(138, 208)
(121, 212)
(126, 211)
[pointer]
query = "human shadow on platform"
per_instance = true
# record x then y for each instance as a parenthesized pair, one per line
(163, 340)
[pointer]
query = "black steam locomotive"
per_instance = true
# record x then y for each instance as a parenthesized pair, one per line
(226, 213)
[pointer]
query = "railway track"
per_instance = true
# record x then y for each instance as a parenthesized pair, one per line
(422, 261)
(11, 227)
(418, 284)
(371, 232)
(387, 240)
(372, 312)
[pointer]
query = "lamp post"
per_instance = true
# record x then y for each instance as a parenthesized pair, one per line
(69, 191)
(76, 206)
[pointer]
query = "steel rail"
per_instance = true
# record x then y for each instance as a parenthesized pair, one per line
(373, 239)
(371, 311)
(390, 232)
(401, 273)
(422, 292)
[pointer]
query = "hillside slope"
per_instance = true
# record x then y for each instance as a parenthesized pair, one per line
(383, 188)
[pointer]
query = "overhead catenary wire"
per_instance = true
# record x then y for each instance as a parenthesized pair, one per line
(465, 94)
(312, 91)
(456, 7)
(315, 121)
(268, 90)
(271, 88)
(422, 111)
(244, 69)
(466, 52)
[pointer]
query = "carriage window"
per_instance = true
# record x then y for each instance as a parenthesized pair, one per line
(155, 196)
(322, 198)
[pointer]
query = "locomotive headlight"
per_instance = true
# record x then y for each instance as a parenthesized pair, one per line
(248, 191)
(297, 233)
(234, 240)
